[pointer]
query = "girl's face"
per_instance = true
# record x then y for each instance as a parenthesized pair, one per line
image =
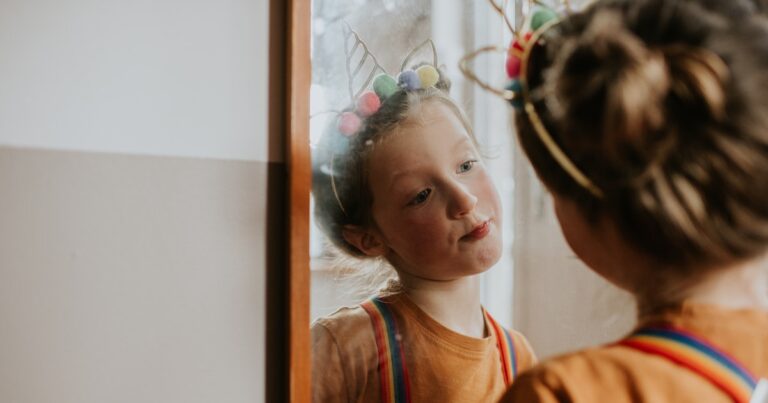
(435, 208)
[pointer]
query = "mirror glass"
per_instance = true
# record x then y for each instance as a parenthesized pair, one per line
(538, 287)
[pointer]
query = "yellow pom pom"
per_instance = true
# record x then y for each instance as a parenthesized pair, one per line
(428, 76)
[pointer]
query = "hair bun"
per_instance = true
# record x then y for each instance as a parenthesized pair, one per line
(609, 87)
(700, 78)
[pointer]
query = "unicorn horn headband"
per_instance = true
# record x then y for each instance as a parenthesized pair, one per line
(367, 102)
(517, 91)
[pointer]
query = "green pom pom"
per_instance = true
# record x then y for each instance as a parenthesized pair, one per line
(428, 76)
(384, 86)
(541, 17)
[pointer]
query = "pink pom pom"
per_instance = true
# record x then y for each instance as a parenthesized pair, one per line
(349, 123)
(513, 66)
(519, 45)
(515, 55)
(368, 104)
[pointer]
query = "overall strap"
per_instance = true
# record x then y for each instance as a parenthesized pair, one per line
(702, 357)
(506, 346)
(393, 374)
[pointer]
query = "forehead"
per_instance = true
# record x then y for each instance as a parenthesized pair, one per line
(433, 126)
(432, 135)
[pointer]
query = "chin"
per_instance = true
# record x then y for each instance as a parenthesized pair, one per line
(486, 258)
(482, 270)
(478, 264)
(494, 251)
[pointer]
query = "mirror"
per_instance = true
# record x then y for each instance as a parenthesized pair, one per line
(391, 29)
(537, 286)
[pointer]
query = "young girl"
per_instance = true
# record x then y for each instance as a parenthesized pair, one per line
(401, 180)
(648, 121)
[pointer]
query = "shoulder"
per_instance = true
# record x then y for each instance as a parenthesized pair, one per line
(580, 376)
(343, 319)
(594, 363)
(357, 320)
(348, 330)
(526, 357)
(623, 373)
(344, 355)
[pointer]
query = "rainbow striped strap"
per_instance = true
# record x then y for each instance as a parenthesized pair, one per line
(700, 356)
(506, 347)
(393, 374)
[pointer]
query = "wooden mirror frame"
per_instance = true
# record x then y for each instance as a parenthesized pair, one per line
(288, 349)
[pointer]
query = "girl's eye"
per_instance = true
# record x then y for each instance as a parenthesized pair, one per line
(466, 166)
(421, 197)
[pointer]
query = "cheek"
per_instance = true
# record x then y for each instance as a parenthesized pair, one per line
(415, 233)
(489, 196)
(565, 226)
(574, 231)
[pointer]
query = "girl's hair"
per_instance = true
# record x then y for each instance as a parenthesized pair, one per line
(340, 182)
(663, 104)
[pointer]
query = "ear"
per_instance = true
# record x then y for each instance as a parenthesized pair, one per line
(368, 242)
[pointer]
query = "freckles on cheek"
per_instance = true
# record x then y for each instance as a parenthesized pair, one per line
(491, 194)
(420, 237)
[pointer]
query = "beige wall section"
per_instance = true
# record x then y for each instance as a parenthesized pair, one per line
(560, 305)
(130, 278)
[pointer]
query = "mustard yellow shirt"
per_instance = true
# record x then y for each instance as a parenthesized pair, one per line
(443, 366)
(618, 374)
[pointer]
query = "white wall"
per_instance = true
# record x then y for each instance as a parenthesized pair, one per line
(560, 304)
(133, 175)
(173, 77)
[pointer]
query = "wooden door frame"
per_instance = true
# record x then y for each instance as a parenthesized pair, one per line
(288, 360)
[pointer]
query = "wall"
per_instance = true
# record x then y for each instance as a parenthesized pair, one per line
(133, 168)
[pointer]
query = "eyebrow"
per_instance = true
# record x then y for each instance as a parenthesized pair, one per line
(465, 140)
(396, 177)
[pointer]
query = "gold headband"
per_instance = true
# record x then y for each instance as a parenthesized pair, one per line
(524, 95)
(557, 153)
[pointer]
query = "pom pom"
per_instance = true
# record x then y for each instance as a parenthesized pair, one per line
(541, 17)
(428, 76)
(517, 89)
(513, 65)
(368, 104)
(384, 86)
(349, 123)
(514, 86)
(515, 55)
(519, 44)
(409, 80)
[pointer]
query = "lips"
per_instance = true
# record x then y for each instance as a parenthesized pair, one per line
(479, 232)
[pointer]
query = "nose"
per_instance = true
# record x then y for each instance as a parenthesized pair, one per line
(462, 201)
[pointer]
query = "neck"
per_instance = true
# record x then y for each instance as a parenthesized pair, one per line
(454, 303)
(741, 287)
